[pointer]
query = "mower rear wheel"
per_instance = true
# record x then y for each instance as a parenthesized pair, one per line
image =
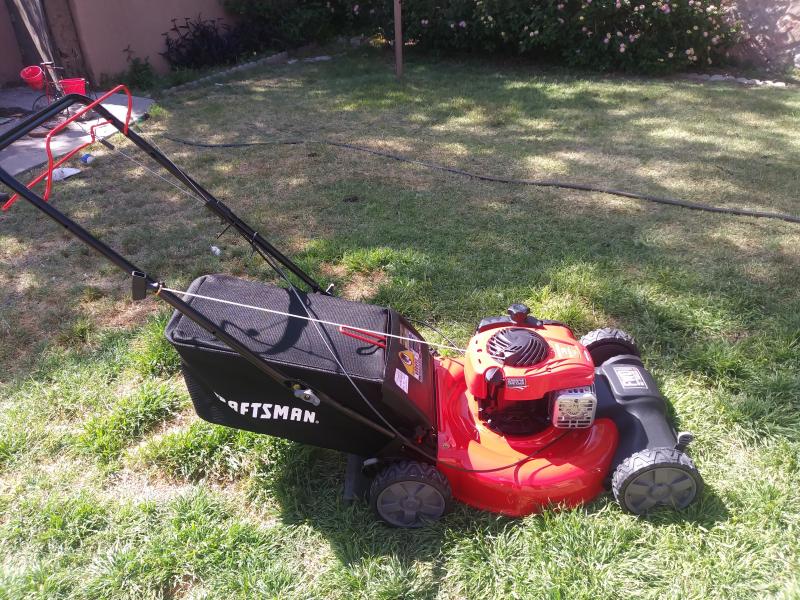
(410, 494)
(608, 342)
(656, 477)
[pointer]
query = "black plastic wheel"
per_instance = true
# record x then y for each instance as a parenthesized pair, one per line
(608, 342)
(656, 477)
(409, 494)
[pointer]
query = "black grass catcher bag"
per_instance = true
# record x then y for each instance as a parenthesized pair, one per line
(226, 389)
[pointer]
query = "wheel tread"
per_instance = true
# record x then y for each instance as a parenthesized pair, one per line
(601, 344)
(607, 334)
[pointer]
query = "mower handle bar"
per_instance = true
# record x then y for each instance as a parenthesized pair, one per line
(141, 282)
(212, 203)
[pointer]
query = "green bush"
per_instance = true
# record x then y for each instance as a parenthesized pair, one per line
(639, 35)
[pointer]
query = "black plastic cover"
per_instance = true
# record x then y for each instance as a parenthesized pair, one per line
(627, 394)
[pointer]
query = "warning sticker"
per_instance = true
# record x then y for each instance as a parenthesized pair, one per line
(412, 363)
(565, 351)
(411, 357)
(401, 379)
(411, 343)
(630, 377)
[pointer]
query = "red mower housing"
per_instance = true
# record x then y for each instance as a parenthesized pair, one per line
(568, 468)
(496, 408)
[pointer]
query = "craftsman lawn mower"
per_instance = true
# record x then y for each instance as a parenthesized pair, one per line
(527, 417)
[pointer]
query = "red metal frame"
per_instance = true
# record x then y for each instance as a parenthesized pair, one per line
(52, 163)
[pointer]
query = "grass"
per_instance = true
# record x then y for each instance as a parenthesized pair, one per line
(108, 433)
(111, 488)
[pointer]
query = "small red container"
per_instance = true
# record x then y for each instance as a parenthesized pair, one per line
(33, 76)
(74, 86)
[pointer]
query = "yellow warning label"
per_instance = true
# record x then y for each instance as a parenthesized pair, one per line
(409, 361)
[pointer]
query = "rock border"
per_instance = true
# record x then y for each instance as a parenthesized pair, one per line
(280, 57)
(721, 78)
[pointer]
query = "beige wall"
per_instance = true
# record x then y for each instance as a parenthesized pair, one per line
(10, 60)
(107, 27)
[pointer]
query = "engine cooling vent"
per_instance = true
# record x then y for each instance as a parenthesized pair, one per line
(575, 408)
(517, 347)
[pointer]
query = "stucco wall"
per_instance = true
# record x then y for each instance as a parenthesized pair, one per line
(10, 60)
(107, 27)
(772, 32)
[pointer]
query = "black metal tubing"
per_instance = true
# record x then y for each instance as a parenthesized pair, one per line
(130, 269)
(32, 122)
(212, 203)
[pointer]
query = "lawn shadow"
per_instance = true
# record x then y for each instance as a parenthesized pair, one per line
(311, 493)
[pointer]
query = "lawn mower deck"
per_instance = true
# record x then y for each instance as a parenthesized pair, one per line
(529, 417)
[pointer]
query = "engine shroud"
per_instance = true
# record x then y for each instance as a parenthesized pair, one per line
(517, 347)
(533, 360)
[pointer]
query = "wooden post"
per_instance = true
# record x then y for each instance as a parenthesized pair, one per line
(398, 39)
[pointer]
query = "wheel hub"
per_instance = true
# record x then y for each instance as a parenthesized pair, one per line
(660, 491)
(410, 503)
(667, 486)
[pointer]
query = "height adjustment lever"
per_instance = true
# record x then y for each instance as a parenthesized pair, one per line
(684, 439)
(140, 285)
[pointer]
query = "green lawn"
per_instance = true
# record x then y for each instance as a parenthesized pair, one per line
(110, 486)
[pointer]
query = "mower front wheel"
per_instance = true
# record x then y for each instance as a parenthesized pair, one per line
(410, 494)
(656, 477)
(607, 343)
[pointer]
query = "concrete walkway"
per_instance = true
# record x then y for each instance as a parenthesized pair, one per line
(29, 152)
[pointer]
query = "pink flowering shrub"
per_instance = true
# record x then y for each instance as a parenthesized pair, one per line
(633, 35)
(651, 35)
(659, 35)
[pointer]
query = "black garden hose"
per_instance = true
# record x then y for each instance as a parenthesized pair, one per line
(738, 212)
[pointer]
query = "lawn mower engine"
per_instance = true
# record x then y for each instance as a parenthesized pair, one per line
(532, 418)
(529, 375)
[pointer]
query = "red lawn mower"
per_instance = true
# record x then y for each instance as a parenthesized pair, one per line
(528, 417)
